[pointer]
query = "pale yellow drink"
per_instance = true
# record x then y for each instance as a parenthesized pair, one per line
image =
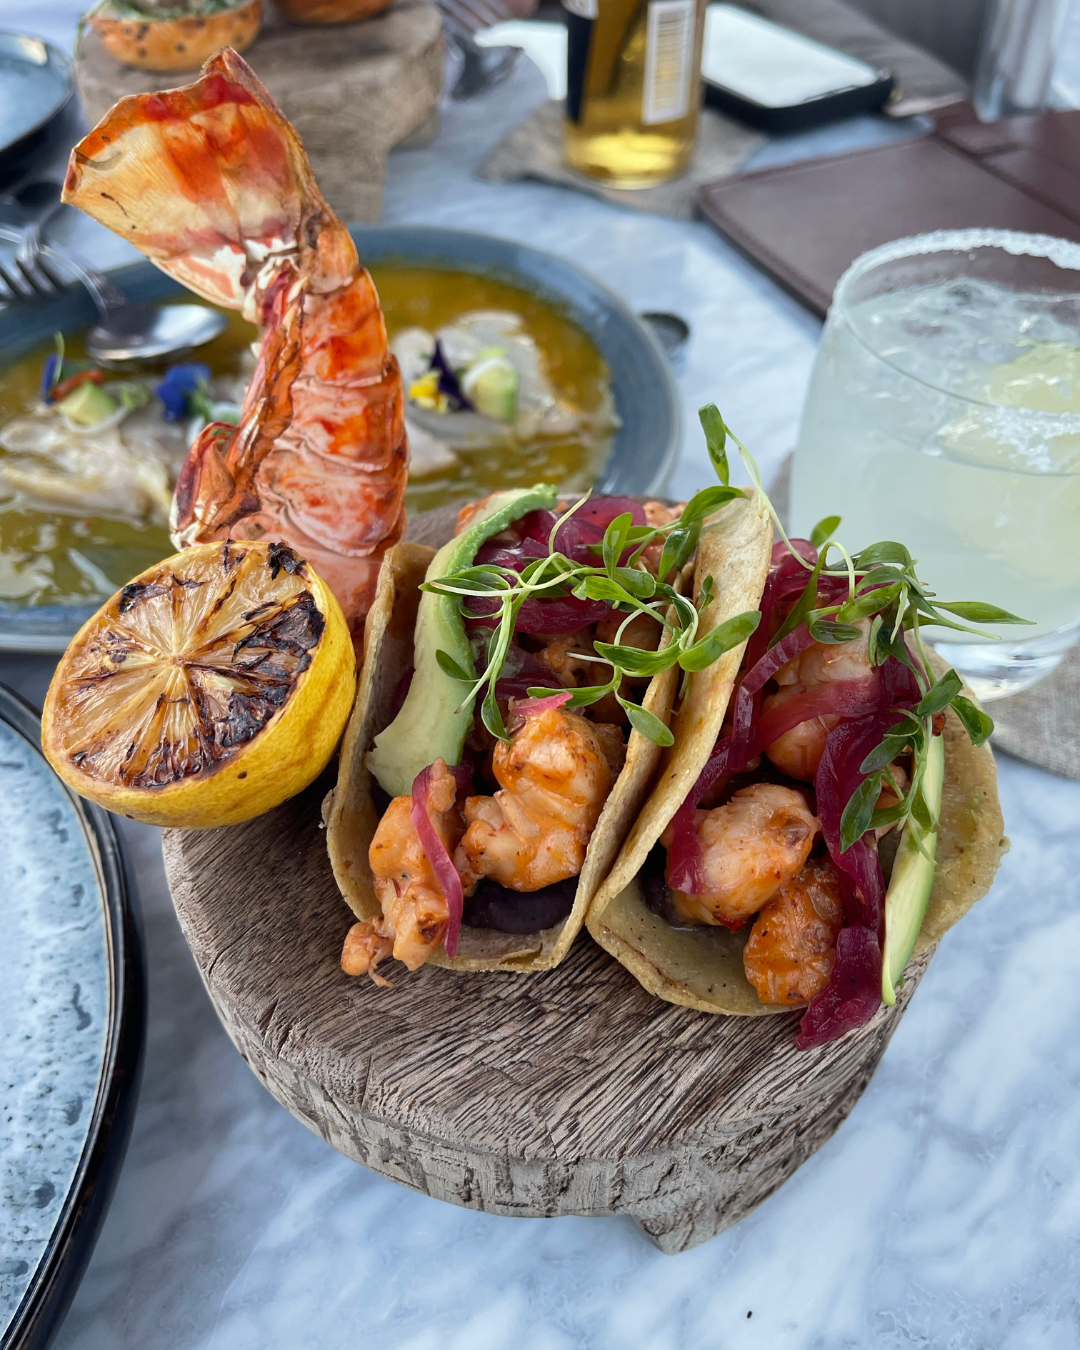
(632, 120)
(947, 416)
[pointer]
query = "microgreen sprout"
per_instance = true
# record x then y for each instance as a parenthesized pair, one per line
(623, 582)
(879, 583)
(883, 587)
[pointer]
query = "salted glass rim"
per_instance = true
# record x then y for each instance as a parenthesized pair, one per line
(1062, 252)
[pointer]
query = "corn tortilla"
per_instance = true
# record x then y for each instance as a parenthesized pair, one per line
(350, 812)
(702, 968)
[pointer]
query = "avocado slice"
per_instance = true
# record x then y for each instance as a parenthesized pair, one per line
(88, 404)
(433, 721)
(912, 878)
(491, 386)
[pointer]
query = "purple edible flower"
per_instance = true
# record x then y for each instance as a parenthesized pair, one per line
(50, 375)
(177, 387)
(448, 381)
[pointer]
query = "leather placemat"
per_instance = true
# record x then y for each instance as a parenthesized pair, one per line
(805, 223)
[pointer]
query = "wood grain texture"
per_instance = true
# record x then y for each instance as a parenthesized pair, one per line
(569, 1091)
(353, 92)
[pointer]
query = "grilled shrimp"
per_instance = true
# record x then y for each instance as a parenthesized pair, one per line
(366, 945)
(792, 946)
(750, 847)
(610, 740)
(642, 631)
(415, 912)
(554, 778)
(567, 657)
(798, 751)
(212, 184)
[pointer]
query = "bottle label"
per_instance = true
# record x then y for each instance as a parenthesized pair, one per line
(669, 54)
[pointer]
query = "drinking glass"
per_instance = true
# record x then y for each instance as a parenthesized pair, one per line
(1021, 42)
(944, 412)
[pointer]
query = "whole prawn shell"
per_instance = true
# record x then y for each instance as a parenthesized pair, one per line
(213, 184)
(703, 968)
(351, 817)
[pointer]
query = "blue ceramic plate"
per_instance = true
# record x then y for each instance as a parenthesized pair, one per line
(646, 397)
(71, 1017)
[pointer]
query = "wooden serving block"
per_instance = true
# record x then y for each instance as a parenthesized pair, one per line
(571, 1091)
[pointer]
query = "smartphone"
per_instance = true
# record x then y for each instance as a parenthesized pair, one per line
(775, 79)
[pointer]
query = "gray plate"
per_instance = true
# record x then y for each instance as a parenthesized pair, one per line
(646, 396)
(71, 1016)
(36, 85)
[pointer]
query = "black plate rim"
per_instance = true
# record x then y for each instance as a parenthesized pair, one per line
(57, 57)
(53, 1286)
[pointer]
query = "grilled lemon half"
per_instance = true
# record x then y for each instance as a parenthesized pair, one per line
(208, 690)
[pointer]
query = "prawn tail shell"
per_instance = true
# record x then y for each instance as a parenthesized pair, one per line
(353, 816)
(204, 479)
(212, 183)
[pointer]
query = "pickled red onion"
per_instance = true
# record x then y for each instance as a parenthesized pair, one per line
(533, 707)
(603, 510)
(521, 671)
(586, 526)
(463, 776)
(781, 554)
(515, 556)
(842, 698)
(564, 615)
(441, 862)
(853, 993)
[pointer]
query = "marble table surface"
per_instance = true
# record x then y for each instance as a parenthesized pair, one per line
(945, 1212)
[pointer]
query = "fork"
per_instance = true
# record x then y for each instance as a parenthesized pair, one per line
(127, 332)
(482, 67)
(22, 279)
(35, 271)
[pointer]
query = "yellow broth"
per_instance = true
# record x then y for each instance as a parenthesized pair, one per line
(51, 557)
(430, 297)
(82, 559)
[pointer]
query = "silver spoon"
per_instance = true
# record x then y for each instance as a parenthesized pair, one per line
(131, 334)
(128, 333)
(670, 330)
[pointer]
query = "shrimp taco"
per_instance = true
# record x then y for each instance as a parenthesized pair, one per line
(512, 708)
(829, 806)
